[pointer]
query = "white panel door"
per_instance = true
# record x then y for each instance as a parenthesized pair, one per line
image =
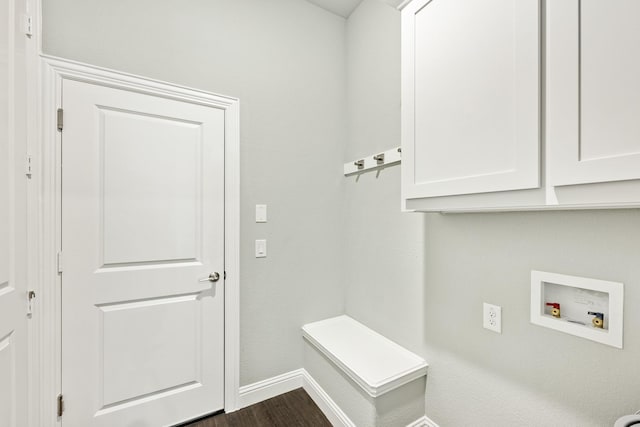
(13, 291)
(593, 91)
(470, 89)
(142, 226)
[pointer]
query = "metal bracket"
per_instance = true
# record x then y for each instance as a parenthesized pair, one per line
(375, 161)
(379, 159)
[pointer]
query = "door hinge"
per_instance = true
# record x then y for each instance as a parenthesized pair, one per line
(60, 119)
(59, 262)
(31, 295)
(27, 24)
(60, 405)
(224, 277)
(28, 170)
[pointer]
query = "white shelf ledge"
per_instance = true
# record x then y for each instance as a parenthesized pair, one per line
(375, 363)
(373, 161)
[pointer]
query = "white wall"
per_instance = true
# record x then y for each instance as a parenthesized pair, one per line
(420, 279)
(285, 60)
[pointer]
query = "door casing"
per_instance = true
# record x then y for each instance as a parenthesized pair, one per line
(47, 331)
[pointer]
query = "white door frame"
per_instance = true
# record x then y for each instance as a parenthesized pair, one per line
(46, 364)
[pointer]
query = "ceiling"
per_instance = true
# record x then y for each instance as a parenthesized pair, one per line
(345, 7)
(339, 7)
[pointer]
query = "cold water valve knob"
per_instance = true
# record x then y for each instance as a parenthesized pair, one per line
(555, 311)
(598, 321)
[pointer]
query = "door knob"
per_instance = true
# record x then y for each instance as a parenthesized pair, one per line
(213, 277)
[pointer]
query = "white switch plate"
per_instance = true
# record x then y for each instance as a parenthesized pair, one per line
(261, 213)
(261, 248)
(492, 317)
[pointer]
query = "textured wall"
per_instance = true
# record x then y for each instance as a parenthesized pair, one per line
(420, 279)
(285, 60)
(384, 251)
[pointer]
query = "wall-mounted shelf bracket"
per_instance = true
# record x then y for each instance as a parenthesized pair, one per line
(374, 161)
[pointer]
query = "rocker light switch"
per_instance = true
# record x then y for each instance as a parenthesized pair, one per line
(261, 213)
(261, 248)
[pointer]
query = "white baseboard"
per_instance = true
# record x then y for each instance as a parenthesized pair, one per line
(275, 386)
(329, 408)
(430, 422)
(423, 422)
(271, 387)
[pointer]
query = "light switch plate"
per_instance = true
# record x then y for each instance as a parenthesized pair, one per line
(261, 248)
(261, 213)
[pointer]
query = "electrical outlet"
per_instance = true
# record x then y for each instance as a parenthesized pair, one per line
(492, 317)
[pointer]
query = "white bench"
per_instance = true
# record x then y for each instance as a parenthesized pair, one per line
(373, 380)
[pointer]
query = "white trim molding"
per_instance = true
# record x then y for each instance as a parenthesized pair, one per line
(271, 387)
(46, 220)
(289, 381)
(329, 408)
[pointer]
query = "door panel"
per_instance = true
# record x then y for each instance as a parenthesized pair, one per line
(8, 392)
(142, 224)
(609, 125)
(13, 233)
(594, 91)
(138, 363)
(157, 218)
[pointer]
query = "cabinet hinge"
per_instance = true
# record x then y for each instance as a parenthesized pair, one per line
(60, 405)
(224, 277)
(60, 118)
(59, 262)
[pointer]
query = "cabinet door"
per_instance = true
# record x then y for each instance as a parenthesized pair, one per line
(470, 89)
(593, 91)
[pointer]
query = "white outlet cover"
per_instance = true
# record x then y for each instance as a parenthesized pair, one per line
(492, 317)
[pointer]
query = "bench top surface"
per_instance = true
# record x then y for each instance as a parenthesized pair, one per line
(373, 361)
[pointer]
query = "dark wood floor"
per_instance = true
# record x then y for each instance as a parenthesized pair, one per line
(293, 409)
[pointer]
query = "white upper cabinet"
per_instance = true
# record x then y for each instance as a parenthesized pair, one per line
(471, 97)
(472, 105)
(594, 91)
